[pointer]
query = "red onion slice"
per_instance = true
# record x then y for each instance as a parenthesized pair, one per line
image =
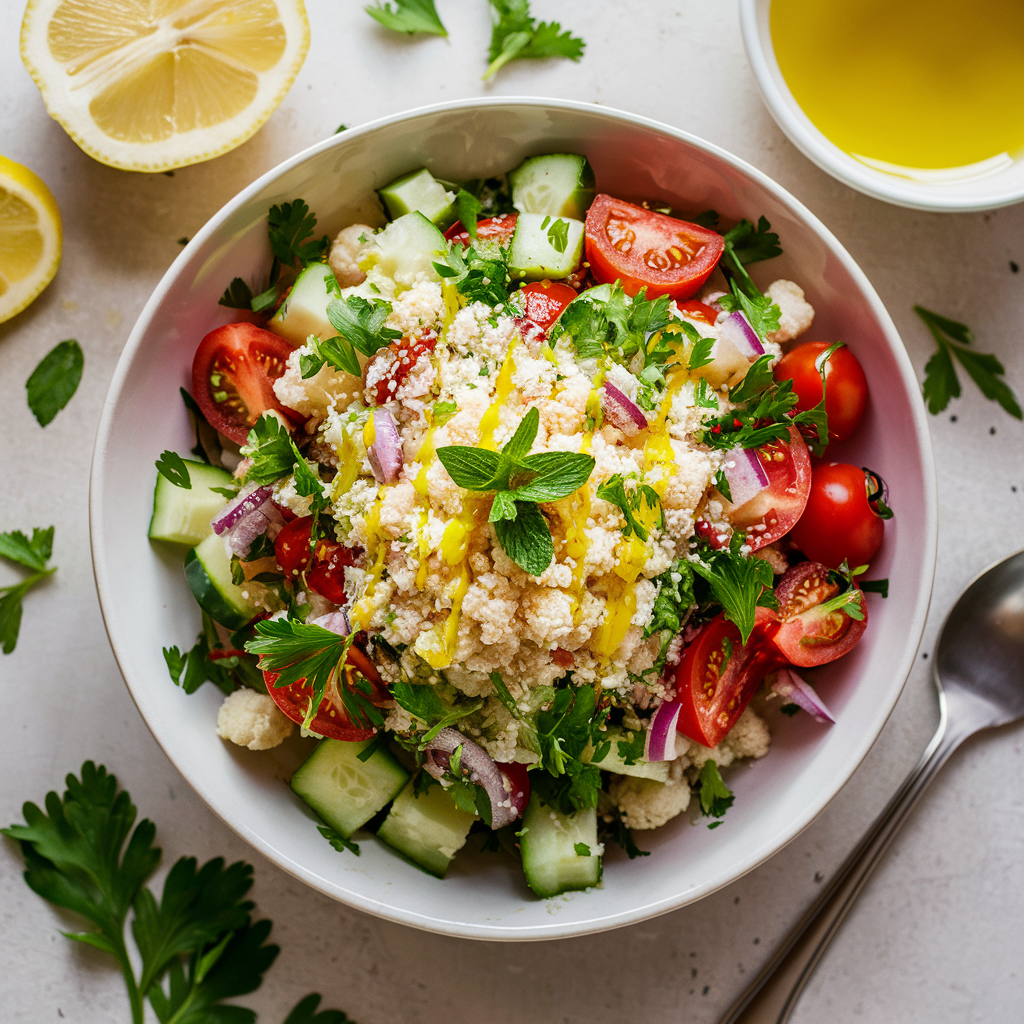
(336, 622)
(747, 477)
(265, 519)
(477, 766)
(660, 743)
(796, 691)
(385, 454)
(237, 508)
(621, 412)
(736, 328)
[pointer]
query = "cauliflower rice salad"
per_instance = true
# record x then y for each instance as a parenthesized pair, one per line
(508, 502)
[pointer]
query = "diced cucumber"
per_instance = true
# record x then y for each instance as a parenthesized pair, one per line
(304, 311)
(182, 515)
(548, 841)
(427, 827)
(208, 571)
(615, 763)
(559, 184)
(343, 790)
(405, 251)
(534, 254)
(420, 191)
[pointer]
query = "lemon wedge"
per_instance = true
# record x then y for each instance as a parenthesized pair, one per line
(30, 237)
(153, 85)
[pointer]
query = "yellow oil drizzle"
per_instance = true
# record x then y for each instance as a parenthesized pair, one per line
(377, 548)
(502, 389)
(425, 457)
(348, 468)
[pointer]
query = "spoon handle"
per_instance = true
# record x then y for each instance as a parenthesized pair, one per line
(770, 999)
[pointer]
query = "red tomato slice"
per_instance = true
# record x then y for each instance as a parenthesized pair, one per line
(719, 674)
(233, 374)
(329, 720)
(697, 310)
(644, 249)
(774, 512)
(327, 577)
(519, 779)
(387, 371)
(846, 387)
(809, 635)
(491, 229)
(839, 523)
(540, 304)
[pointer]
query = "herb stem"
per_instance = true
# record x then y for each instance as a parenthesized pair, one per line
(134, 994)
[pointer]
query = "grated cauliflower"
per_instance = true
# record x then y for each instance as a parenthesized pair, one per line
(252, 720)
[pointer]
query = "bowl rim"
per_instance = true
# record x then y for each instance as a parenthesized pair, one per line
(915, 626)
(820, 150)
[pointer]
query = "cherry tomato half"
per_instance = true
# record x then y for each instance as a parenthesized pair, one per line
(330, 719)
(697, 310)
(539, 304)
(810, 633)
(491, 229)
(846, 387)
(773, 512)
(839, 522)
(326, 574)
(233, 374)
(387, 371)
(719, 674)
(291, 548)
(518, 787)
(644, 249)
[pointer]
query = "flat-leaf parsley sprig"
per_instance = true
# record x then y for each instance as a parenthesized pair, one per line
(300, 650)
(516, 33)
(519, 481)
(941, 383)
(199, 936)
(408, 16)
(32, 553)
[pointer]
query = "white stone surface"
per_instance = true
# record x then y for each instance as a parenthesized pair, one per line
(936, 936)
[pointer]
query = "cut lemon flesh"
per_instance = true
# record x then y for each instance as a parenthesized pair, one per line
(149, 85)
(30, 237)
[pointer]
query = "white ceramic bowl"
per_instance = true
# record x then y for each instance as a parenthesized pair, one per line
(985, 186)
(147, 605)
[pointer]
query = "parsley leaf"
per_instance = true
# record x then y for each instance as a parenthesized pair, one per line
(55, 380)
(739, 585)
(468, 207)
(629, 502)
(582, 850)
(558, 235)
(208, 660)
(619, 834)
(476, 277)
(761, 312)
(516, 34)
(33, 554)
(269, 445)
(674, 601)
(237, 295)
(408, 16)
(337, 840)
(746, 244)
(290, 230)
(442, 412)
(363, 322)
(304, 1012)
(715, 796)
(172, 466)
(208, 447)
(300, 650)
(425, 703)
(940, 378)
(875, 587)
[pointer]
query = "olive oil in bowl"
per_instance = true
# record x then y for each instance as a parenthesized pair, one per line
(915, 87)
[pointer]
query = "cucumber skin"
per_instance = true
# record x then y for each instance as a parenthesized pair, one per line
(412, 816)
(383, 772)
(200, 492)
(574, 204)
(541, 851)
(210, 597)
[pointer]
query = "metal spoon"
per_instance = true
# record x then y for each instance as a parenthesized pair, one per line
(979, 673)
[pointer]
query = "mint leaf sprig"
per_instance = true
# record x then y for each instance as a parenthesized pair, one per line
(941, 383)
(361, 324)
(519, 481)
(83, 854)
(53, 382)
(32, 553)
(516, 34)
(408, 16)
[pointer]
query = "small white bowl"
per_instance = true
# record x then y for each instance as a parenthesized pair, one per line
(147, 605)
(983, 186)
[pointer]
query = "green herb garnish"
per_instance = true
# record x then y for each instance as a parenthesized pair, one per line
(408, 16)
(55, 380)
(32, 553)
(517, 34)
(172, 466)
(630, 501)
(715, 796)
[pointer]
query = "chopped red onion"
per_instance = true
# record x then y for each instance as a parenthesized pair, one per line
(478, 767)
(736, 328)
(237, 508)
(796, 691)
(747, 477)
(660, 743)
(336, 622)
(621, 412)
(385, 454)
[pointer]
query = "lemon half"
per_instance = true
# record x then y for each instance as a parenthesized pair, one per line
(30, 237)
(149, 85)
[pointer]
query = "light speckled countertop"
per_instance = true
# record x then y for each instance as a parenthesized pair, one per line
(935, 937)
